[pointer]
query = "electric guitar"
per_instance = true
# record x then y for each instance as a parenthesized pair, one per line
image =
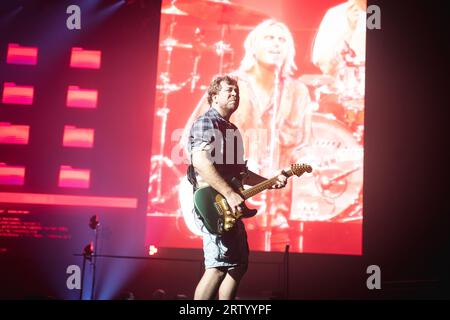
(213, 209)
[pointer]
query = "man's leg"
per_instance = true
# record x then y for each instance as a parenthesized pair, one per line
(209, 283)
(229, 286)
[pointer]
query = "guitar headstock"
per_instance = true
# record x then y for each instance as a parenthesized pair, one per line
(299, 169)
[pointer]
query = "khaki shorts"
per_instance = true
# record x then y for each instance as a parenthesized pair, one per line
(229, 250)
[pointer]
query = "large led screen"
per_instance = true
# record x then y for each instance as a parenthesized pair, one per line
(300, 67)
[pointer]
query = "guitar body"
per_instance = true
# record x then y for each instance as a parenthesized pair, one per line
(214, 211)
(216, 214)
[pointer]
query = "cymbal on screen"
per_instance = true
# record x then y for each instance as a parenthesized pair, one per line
(172, 10)
(221, 11)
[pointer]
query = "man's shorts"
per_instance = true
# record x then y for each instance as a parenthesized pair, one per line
(228, 250)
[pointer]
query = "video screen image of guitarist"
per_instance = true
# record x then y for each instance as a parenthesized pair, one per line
(310, 112)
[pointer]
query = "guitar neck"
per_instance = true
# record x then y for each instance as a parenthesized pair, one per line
(260, 187)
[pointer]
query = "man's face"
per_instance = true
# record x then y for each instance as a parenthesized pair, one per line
(227, 97)
(271, 46)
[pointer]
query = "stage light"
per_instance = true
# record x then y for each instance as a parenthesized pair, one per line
(88, 251)
(152, 250)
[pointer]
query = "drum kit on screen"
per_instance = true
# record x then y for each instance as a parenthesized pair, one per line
(335, 149)
(221, 13)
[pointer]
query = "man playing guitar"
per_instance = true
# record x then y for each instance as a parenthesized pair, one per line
(216, 151)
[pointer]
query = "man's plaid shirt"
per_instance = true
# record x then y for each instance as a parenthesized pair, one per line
(222, 139)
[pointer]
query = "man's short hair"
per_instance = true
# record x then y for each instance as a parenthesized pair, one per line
(216, 85)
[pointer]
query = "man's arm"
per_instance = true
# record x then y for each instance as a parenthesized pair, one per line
(209, 173)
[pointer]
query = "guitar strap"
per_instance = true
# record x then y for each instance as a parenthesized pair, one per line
(242, 172)
(191, 176)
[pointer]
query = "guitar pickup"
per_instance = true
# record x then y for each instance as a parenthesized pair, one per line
(218, 208)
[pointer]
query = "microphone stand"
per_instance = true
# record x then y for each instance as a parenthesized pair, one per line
(94, 263)
(273, 122)
(82, 276)
(272, 161)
